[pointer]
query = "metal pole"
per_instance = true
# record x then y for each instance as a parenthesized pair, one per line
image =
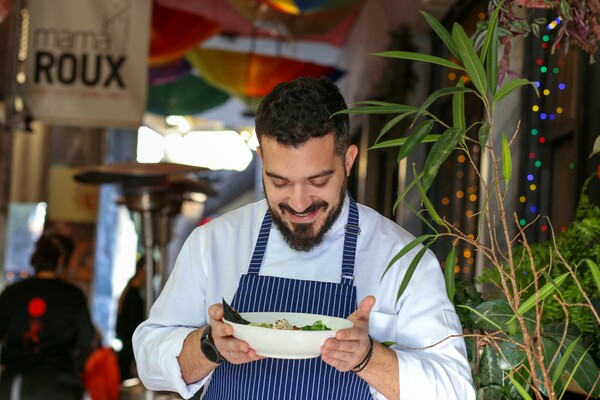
(148, 237)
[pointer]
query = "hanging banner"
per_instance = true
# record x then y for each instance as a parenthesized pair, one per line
(87, 62)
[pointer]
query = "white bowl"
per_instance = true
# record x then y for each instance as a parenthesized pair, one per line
(292, 344)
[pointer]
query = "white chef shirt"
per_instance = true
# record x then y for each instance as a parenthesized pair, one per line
(215, 256)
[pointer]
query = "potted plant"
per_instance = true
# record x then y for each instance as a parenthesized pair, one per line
(576, 21)
(513, 353)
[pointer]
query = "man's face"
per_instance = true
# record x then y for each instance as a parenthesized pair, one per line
(305, 187)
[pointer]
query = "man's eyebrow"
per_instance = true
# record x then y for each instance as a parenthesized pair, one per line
(321, 174)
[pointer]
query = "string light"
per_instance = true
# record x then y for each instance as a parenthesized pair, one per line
(543, 116)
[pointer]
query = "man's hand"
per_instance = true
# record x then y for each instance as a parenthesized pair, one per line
(233, 350)
(350, 346)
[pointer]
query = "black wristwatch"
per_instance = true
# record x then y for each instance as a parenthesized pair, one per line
(208, 347)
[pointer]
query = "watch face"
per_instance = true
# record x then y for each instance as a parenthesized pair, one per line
(210, 351)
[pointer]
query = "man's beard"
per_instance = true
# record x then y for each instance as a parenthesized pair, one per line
(301, 238)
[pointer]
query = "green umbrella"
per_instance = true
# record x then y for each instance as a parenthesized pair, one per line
(186, 96)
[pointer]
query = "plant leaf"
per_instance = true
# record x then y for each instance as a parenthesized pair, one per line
(439, 153)
(400, 142)
(596, 148)
(595, 271)
(442, 33)
(449, 275)
(469, 58)
(408, 55)
(496, 310)
(579, 365)
(428, 205)
(562, 363)
(490, 372)
(541, 294)
(550, 351)
(415, 138)
(484, 133)
(391, 123)
(406, 249)
(490, 35)
(491, 61)
(510, 87)
(458, 107)
(481, 316)
(378, 109)
(410, 271)
(522, 392)
(506, 160)
(439, 93)
(510, 355)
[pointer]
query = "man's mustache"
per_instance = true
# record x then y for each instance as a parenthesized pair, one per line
(312, 208)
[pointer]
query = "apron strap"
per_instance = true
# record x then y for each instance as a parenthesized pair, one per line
(261, 244)
(352, 231)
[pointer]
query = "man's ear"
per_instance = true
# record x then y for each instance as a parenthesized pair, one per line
(351, 154)
(259, 152)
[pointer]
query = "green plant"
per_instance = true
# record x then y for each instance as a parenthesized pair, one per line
(512, 353)
(577, 245)
(577, 21)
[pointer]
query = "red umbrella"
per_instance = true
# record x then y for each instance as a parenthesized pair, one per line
(250, 76)
(175, 32)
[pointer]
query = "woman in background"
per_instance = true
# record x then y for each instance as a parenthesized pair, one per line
(45, 329)
(130, 313)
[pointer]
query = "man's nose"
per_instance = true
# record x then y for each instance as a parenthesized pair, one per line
(299, 199)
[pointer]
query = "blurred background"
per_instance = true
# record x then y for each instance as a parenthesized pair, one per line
(127, 123)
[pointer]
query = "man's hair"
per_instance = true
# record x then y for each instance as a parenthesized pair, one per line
(298, 110)
(49, 249)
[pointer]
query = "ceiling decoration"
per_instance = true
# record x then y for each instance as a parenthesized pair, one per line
(298, 7)
(187, 95)
(250, 76)
(175, 32)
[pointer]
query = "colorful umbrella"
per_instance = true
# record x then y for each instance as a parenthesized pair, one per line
(298, 7)
(233, 23)
(316, 23)
(250, 76)
(186, 96)
(175, 32)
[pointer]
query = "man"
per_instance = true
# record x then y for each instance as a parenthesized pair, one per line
(307, 248)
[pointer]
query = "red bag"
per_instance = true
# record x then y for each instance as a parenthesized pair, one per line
(101, 376)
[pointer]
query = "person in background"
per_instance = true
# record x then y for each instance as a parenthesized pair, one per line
(309, 248)
(45, 329)
(130, 313)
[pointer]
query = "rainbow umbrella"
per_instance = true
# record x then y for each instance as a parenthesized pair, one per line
(250, 76)
(232, 22)
(175, 32)
(315, 23)
(298, 7)
(185, 96)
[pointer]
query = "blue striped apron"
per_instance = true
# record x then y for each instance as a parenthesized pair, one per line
(272, 378)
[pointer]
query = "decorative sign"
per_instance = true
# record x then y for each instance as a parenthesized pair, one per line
(87, 61)
(69, 200)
